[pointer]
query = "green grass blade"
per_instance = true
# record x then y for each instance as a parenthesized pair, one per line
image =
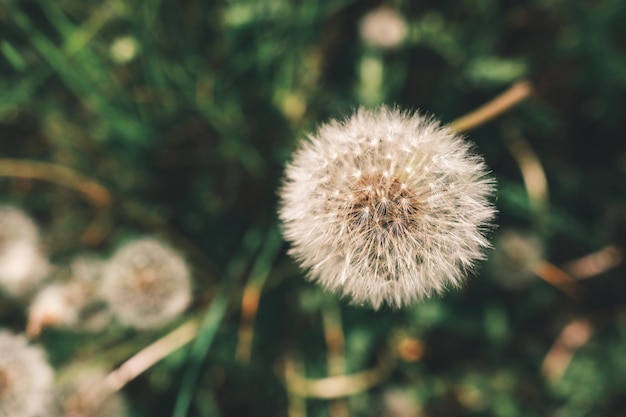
(201, 345)
(211, 322)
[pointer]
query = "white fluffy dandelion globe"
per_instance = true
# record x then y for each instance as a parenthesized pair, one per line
(146, 284)
(386, 207)
(26, 379)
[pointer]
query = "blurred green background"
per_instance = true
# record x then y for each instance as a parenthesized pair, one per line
(187, 111)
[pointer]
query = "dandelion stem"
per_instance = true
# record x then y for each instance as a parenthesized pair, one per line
(93, 192)
(297, 403)
(573, 336)
(143, 360)
(335, 341)
(560, 279)
(331, 319)
(532, 170)
(595, 263)
(150, 355)
(335, 386)
(515, 94)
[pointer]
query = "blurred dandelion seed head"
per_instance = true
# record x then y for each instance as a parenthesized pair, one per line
(398, 402)
(52, 306)
(22, 264)
(383, 28)
(15, 224)
(26, 379)
(87, 269)
(386, 207)
(146, 284)
(80, 397)
(515, 258)
(73, 303)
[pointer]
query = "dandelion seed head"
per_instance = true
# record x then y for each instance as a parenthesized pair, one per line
(71, 303)
(146, 284)
(408, 226)
(15, 224)
(398, 402)
(383, 28)
(22, 263)
(26, 379)
(52, 306)
(74, 302)
(515, 258)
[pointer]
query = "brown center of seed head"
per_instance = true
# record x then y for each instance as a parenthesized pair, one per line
(146, 279)
(383, 205)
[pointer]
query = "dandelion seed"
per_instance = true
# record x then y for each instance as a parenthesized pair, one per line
(22, 263)
(383, 28)
(407, 227)
(26, 379)
(146, 284)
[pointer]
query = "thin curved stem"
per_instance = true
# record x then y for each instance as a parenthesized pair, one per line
(530, 166)
(337, 386)
(560, 279)
(335, 344)
(91, 190)
(595, 263)
(573, 336)
(151, 354)
(142, 361)
(95, 193)
(515, 94)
